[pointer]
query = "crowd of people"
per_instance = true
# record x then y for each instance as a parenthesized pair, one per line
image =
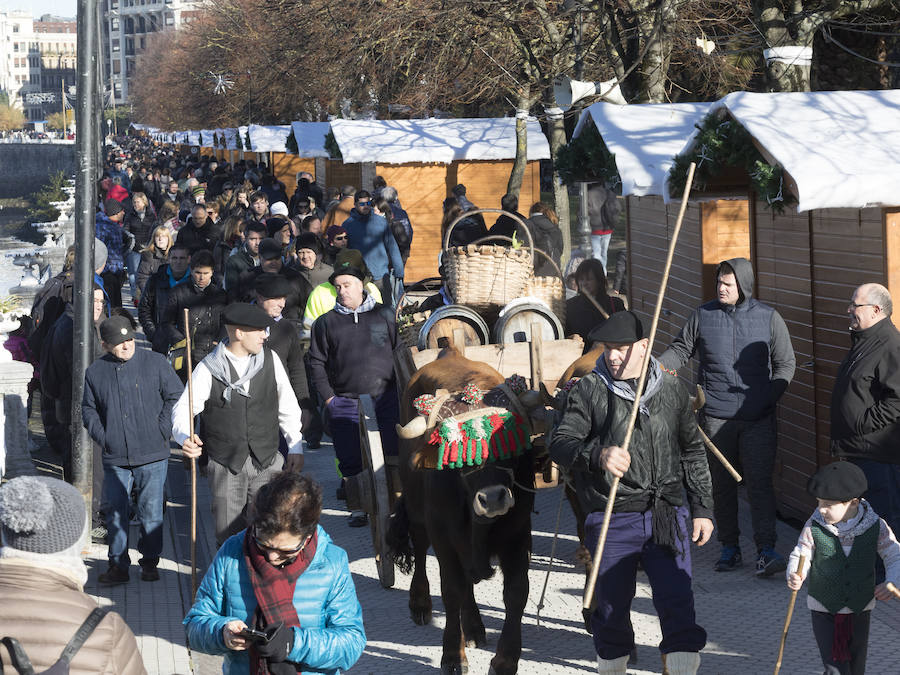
(283, 308)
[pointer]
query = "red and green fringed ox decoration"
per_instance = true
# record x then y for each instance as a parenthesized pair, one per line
(486, 438)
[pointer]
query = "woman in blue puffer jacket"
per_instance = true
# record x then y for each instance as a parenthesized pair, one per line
(283, 577)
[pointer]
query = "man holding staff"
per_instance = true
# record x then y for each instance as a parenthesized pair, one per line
(242, 396)
(650, 524)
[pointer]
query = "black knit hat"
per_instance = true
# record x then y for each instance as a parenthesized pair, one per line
(310, 241)
(345, 269)
(269, 249)
(275, 224)
(40, 514)
(113, 207)
(838, 482)
(245, 314)
(621, 328)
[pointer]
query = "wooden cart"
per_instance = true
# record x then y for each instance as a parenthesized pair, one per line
(376, 488)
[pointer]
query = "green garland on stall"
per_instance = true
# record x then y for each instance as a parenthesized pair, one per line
(247, 144)
(721, 143)
(587, 159)
(291, 144)
(331, 145)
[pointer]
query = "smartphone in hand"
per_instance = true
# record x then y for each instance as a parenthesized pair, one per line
(253, 635)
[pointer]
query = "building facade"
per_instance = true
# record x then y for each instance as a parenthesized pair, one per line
(37, 62)
(127, 28)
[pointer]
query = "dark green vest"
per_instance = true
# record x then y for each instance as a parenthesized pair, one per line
(838, 580)
(232, 430)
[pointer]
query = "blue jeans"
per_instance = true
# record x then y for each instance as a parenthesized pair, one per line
(600, 246)
(342, 418)
(629, 541)
(149, 481)
(132, 262)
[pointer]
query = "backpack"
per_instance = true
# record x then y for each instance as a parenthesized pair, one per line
(22, 664)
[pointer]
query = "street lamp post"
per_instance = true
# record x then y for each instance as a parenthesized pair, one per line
(109, 127)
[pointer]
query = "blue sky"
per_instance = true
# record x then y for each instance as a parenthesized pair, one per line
(38, 7)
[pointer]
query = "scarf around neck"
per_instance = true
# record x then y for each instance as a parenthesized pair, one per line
(273, 588)
(622, 389)
(172, 280)
(220, 368)
(367, 305)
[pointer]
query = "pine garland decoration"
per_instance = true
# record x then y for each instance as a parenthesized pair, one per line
(721, 143)
(331, 145)
(587, 159)
(291, 144)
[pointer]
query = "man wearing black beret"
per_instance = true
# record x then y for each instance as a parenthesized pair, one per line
(650, 522)
(243, 397)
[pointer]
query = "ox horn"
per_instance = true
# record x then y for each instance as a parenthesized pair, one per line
(413, 429)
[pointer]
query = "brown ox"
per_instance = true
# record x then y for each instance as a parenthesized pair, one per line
(468, 515)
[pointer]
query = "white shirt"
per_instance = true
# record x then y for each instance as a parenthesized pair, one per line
(288, 408)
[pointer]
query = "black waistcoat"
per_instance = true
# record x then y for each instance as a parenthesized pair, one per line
(233, 429)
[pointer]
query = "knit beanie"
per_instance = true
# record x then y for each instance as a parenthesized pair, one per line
(39, 514)
(100, 254)
(333, 231)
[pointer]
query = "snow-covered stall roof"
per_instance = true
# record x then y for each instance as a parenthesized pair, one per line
(206, 135)
(435, 140)
(269, 138)
(193, 137)
(841, 148)
(310, 137)
(231, 139)
(644, 138)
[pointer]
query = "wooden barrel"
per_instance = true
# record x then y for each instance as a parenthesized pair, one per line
(444, 320)
(516, 319)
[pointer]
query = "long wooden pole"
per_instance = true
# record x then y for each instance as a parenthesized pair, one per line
(893, 589)
(601, 542)
(190, 386)
(790, 613)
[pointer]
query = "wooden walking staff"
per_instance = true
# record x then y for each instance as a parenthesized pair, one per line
(190, 386)
(790, 613)
(601, 542)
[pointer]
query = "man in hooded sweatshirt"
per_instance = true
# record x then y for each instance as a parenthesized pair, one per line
(746, 363)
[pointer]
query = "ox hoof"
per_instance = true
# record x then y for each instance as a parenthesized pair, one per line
(476, 638)
(454, 669)
(421, 617)
(482, 572)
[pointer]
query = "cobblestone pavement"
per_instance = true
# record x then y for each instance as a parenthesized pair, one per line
(743, 615)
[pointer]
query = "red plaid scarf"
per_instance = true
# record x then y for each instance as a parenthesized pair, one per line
(274, 590)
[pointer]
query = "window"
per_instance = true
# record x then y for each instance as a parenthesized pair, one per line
(115, 45)
(15, 46)
(142, 25)
(114, 24)
(170, 20)
(117, 67)
(15, 28)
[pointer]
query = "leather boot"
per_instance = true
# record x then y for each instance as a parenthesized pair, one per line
(681, 663)
(612, 666)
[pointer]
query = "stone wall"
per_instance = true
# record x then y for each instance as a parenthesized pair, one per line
(25, 167)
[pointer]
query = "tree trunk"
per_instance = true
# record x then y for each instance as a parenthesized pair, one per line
(656, 30)
(556, 135)
(521, 161)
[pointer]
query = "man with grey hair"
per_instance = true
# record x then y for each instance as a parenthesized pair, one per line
(865, 401)
(401, 219)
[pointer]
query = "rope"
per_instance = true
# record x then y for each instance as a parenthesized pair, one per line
(540, 605)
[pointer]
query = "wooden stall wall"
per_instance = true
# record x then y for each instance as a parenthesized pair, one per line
(486, 183)
(421, 189)
(784, 267)
(286, 166)
(650, 225)
(892, 254)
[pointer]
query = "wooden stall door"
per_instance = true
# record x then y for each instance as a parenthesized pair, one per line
(421, 189)
(338, 174)
(725, 232)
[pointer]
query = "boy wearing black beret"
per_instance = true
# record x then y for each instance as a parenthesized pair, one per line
(840, 542)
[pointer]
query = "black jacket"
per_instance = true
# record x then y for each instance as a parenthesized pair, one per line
(667, 452)
(294, 303)
(284, 340)
(150, 262)
(236, 266)
(506, 226)
(205, 307)
(865, 401)
(196, 238)
(548, 238)
(140, 228)
(127, 407)
(57, 356)
(152, 308)
(350, 357)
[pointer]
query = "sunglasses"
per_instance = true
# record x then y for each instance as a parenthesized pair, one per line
(341, 237)
(281, 551)
(364, 203)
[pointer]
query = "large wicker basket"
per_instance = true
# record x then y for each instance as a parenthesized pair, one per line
(551, 290)
(486, 277)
